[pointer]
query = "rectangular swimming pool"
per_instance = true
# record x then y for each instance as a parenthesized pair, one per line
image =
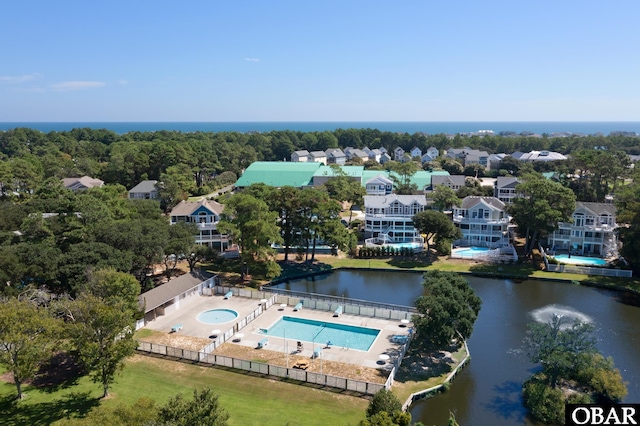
(580, 260)
(319, 332)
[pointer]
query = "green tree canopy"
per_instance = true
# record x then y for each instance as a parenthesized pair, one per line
(448, 311)
(444, 197)
(541, 207)
(28, 336)
(435, 225)
(252, 224)
(103, 335)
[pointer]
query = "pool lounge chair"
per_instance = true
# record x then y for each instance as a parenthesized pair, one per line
(338, 311)
(298, 307)
(228, 295)
(262, 343)
(317, 352)
(299, 347)
(176, 328)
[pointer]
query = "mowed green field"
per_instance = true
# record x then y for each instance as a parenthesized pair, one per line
(249, 399)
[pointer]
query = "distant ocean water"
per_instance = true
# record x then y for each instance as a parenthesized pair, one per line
(429, 127)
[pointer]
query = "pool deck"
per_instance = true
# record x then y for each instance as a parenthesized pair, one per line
(190, 308)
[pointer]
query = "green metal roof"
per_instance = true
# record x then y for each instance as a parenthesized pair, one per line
(352, 171)
(422, 178)
(295, 174)
(278, 174)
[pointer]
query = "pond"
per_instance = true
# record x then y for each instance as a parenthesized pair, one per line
(487, 391)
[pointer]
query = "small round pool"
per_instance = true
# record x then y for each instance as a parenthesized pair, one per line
(217, 316)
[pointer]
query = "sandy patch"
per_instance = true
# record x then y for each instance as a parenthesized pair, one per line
(350, 371)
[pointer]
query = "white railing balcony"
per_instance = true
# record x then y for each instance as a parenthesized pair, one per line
(603, 227)
(211, 226)
(394, 216)
(481, 221)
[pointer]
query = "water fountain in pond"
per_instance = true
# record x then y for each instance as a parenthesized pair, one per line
(568, 314)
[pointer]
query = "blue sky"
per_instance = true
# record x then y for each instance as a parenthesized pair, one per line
(320, 61)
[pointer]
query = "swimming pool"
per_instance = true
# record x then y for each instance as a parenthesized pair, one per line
(306, 330)
(217, 316)
(580, 260)
(470, 251)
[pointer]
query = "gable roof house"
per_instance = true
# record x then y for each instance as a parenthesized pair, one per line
(388, 218)
(336, 156)
(145, 190)
(374, 154)
(433, 152)
(379, 185)
(352, 153)
(318, 157)
(398, 154)
(505, 188)
(427, 157)
(81, 183)
(494, 160)
(301, 156)
(384, 158)
(468, 156)
(592, 231)
(454, 182)
(206, 215)
(483, 222)
(415, 152)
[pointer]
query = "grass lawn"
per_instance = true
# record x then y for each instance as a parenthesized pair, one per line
(249, 399)
(518, 270)
(407, 382)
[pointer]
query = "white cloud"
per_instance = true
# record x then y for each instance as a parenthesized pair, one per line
(123, 82)
(19, 78)
(76, 85)
(252, 59)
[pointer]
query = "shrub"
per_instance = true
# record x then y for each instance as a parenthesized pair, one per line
(543, 402)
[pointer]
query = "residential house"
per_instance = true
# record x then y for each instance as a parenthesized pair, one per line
(300, 156)
(468, 156)
(415, 152)
(336, 156)
(318, 157)
(398, 154)
(483, 222)
(278, 174)
(81, 183)
(384, 158)
(454, 182)
(389, 217)
(505, 189)
(145, 190)
(431, 154)
(374, 154)
(379, 185)
(206, 215)
(592, 232)
(353, 153)
(539, 156)
(494, 160)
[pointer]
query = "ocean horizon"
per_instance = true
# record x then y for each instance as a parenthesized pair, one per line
(428, 127)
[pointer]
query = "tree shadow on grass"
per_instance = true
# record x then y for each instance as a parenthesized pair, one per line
(62, 371)
(72, 405)
(422, 363)
(507, 404)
